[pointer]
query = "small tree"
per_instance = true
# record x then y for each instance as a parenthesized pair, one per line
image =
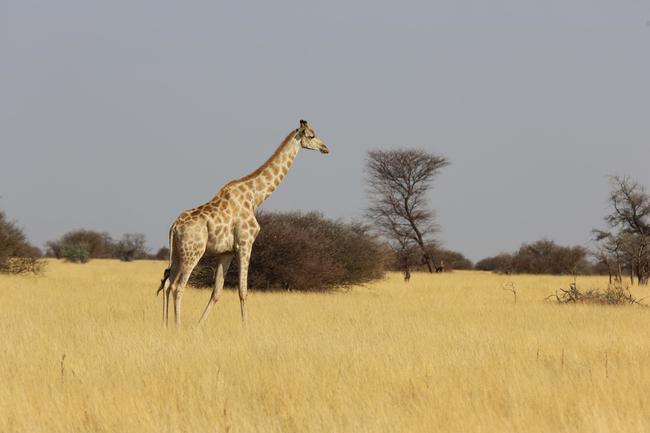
(399, 181)
(131, 247)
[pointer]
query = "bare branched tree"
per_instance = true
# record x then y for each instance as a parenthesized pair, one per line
(399, 181)
(627, 242)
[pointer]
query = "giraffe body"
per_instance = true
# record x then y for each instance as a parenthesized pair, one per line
(226, 226)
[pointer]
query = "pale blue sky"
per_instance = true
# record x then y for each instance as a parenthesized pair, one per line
(118, 115)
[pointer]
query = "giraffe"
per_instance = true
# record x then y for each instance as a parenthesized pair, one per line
(226, 225)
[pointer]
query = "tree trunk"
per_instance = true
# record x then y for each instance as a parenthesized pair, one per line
(643, 275)
(609, 271)
(406, 266)
(428, 261)
(420, 242)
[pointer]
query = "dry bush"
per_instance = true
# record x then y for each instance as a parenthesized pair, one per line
(17, 255)
(23, 265)
(615, 294)
(296, 251)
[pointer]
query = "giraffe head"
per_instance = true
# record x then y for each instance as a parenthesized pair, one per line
(308, 139)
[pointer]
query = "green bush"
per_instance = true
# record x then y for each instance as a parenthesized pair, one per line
(76, 252)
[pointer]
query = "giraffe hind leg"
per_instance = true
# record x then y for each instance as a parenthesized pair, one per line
(165, 286)
(166, 305)
(178, 284)
(176, 290)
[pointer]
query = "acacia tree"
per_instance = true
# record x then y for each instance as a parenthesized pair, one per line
(398, 183)
(627, 242)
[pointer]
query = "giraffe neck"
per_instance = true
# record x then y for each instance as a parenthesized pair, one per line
(263, 181)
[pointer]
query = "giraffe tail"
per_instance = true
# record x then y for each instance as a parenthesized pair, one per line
(162, 282)
(167, 271)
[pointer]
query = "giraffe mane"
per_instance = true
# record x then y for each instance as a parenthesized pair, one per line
(268, 162)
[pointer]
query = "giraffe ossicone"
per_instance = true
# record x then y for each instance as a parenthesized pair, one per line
(226, 226)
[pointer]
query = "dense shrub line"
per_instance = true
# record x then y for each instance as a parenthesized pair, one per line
(541, 257)
(296, 251)
(79, 246)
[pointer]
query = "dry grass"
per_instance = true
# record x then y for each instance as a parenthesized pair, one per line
(449, 353)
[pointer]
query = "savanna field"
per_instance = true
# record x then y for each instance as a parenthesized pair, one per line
(83, 350)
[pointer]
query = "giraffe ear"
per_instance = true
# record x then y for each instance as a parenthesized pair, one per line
(303, 123)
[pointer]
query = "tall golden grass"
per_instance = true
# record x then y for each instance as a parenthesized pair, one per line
(83, 350)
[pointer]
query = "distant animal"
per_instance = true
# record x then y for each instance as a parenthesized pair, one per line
(407, 275)
(226, 225)
(440, 267)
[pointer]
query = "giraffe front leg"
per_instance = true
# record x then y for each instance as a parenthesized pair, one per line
(222, 269)
(245, 238)
(244, 254)
(178, 296)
